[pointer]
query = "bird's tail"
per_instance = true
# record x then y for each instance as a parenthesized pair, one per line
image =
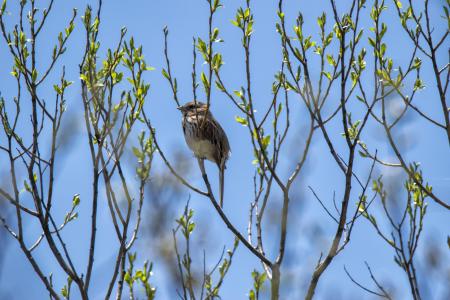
(221, 182)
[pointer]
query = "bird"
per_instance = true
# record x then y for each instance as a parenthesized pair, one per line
(206, 138)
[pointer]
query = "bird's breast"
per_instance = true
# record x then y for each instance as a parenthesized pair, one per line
(201, 147)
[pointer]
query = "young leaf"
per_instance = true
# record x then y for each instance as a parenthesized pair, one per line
(241, 121)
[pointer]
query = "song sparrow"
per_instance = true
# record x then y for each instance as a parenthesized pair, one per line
(205, 137)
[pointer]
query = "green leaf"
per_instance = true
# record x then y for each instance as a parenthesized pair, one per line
(262, 278)
(27, 186)
(131, 257)
(204, 81)
(279, 109)
(139, 274)
(73, 217)
(215, 34)
(238, 93)
(318, 50)
(201, 46)
(418, 84)
(165, 74)
(34, 75)
(137, 153)
(249, 29)
(247, 12)
(322, 20)
(266, 142)
(57, 89)
(64, 292)
(217, 61)
(382, 49)
(354, 77)
(417, 63)
(191, 227)
(251, 295)
(128, 279)
(67, 83)
(69, 29)
(327, 74)
(15, 73)
(216, 5)
(119, 106)
(76, 200)
(241, 121)
(331, 60)
(22, 38)
(2, 9)
(290, 86)
(219, 86)
(83, 77)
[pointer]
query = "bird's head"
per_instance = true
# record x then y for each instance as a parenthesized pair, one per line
(193, 107)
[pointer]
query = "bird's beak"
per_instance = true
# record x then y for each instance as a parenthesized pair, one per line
(180, 108)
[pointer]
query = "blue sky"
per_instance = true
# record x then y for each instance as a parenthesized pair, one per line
(144, 21)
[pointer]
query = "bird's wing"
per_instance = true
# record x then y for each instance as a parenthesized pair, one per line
(213, 132)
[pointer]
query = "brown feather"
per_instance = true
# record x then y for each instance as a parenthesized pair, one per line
(205, 137)
(199, 124)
